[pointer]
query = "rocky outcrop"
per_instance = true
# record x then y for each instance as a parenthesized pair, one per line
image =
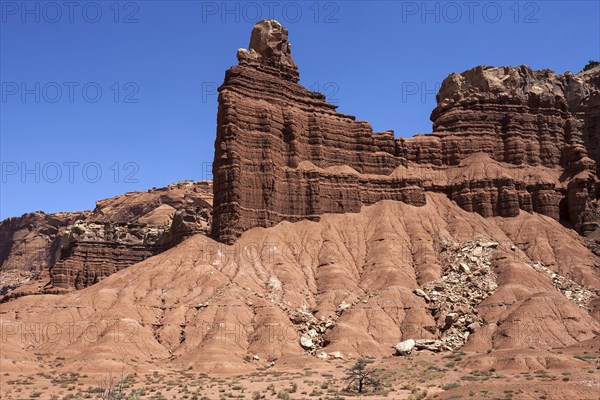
(514, 114)
(51, 253)
(91, 251)
(472, 254)
(283, 153)
(128, 229)
(27, 243)
(521, 116)
(29, 247)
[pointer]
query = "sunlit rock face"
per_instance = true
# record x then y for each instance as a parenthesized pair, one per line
(283, 153)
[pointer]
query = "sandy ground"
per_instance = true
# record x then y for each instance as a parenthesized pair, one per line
(573, 374)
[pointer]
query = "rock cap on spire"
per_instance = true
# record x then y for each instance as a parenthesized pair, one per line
(269, 47)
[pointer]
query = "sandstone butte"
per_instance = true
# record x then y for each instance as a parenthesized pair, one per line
(322, 239)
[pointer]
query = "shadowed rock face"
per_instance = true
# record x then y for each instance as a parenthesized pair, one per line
(283, 153)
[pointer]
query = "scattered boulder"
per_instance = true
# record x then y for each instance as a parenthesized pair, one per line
(343, 306)
(404, 348)
(450, 319)
(306, 342)
(473, 327)
(429, 344)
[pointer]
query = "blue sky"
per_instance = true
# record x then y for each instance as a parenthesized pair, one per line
(100, 98)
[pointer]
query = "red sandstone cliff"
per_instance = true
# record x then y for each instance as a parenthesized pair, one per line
(283, 153)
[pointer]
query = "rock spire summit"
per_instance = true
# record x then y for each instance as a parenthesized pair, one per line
(270, 50)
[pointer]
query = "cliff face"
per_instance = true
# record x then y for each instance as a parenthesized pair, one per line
(514, 114)
(29, 246)
(283, 153)
(50, 253)
(524, 117)
(504, 140)
(274, 137)
(27, 242)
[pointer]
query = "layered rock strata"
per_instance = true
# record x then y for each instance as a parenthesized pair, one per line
(283, 153)
(49, 253)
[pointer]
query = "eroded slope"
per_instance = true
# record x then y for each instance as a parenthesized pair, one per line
(349, 282)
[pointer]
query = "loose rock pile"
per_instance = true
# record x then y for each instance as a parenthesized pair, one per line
(312, 329)
(573, 291)
(453, 299)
